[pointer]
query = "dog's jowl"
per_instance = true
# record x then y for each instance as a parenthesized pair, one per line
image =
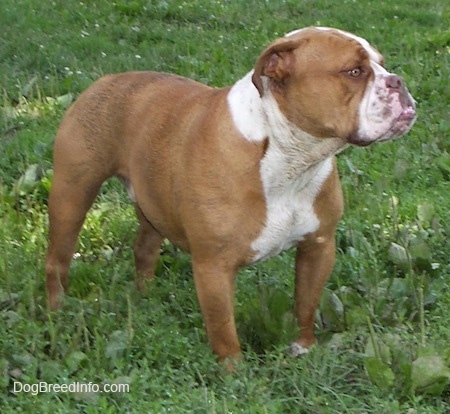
(232, 175)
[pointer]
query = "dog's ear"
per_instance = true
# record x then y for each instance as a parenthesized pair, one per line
(276, 62)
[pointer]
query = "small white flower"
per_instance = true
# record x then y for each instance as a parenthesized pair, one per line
(394, 201)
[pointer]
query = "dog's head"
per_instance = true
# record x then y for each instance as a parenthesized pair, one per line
(331, 83)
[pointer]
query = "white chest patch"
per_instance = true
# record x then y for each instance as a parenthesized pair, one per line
(290, 211)
(293, 169)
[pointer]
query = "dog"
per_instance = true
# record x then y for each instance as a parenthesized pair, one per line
(232, 175)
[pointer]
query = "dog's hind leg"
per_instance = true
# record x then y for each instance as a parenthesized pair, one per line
(70, 198)
(146, 250)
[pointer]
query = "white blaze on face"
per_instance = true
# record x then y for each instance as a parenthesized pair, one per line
(373, 53)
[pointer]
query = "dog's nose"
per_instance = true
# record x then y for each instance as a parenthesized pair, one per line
(394, 82)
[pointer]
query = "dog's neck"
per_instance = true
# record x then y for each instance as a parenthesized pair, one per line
(292, 155)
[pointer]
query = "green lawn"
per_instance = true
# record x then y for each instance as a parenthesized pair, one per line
(383, 322)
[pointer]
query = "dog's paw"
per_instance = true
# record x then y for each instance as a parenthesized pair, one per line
(296, 350)
(231, 363)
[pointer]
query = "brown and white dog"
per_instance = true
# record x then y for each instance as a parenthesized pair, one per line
(232, 175)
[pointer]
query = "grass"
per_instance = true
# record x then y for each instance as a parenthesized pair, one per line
(383, 322)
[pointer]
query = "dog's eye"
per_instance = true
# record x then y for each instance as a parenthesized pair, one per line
(354, 73)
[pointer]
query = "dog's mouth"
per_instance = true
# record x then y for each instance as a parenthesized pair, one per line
(399, 126)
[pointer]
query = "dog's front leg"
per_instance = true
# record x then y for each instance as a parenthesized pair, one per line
(214, 283)
(314, 263)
